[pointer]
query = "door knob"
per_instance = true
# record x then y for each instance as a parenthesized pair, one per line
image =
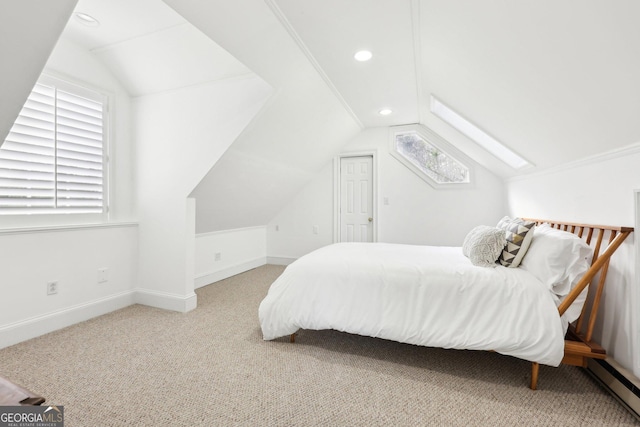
(370, 219)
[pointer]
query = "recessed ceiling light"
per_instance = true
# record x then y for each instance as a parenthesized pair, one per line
(86, 19)
(385, 112)
(363, 55)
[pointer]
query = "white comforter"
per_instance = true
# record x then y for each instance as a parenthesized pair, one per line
(431, 296)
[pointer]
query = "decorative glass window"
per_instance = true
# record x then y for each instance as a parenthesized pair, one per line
(422, 153)
(53, 160)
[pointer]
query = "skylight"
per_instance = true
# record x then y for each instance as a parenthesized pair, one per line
(477, 135)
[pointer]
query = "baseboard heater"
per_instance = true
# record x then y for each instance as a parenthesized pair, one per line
(621, 383)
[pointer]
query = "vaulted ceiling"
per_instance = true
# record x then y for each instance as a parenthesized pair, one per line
(553, 81)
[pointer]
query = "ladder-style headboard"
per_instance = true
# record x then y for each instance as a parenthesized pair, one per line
(594, 236)
(579, 346)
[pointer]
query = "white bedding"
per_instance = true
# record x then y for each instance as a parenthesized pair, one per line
(430, 296)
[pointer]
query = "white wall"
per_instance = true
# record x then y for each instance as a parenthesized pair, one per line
(290, 232)
(30, 259)
(238, 250)
(180, 135)
(416, 214)
(599, 190)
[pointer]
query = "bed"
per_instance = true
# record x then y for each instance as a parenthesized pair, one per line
(527, 302)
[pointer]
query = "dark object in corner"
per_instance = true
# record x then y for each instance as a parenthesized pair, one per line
(13, 395)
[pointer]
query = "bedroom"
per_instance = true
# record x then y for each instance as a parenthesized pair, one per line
(531, 89)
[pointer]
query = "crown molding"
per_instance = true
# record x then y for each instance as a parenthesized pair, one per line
(628, 150)
(417, 55)
(296, 38)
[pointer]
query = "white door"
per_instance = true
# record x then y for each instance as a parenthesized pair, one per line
(356, 199)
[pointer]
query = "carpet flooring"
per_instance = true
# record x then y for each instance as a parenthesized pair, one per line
(141, 366)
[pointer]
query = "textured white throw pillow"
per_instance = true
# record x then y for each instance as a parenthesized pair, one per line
(483, 245)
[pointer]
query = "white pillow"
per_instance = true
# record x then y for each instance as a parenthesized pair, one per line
(483, 245)
(559, 259)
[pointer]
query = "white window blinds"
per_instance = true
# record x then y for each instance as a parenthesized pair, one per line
(53, 158)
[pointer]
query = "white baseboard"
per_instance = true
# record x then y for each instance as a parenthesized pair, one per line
(280, 260)
(165, 300)
(34, 327)
(216, 276)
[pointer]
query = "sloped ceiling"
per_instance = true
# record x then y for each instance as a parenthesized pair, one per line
(149, 47)
(29, 30)
(332, 31)
(302, 127)
(553, 81)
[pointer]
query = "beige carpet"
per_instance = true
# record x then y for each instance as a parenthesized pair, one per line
(147, 367)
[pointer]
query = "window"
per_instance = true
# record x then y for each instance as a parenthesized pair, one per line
(477, 135)
(53, 160)
(422, 151)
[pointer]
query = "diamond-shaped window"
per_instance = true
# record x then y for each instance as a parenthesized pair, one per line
(428, 160)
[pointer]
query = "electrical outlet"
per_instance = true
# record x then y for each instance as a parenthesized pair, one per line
(52, 288)
(316, 229)
(277, 228)
(217, 256)
(103, 275)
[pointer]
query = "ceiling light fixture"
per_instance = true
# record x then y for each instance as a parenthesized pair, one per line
(385, 112)
(363, 55)
(86, 19)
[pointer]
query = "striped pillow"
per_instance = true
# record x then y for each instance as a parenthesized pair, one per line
(519, 234)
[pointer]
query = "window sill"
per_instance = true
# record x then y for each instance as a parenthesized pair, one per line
(54, 228)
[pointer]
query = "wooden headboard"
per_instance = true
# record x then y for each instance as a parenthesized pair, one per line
(579, 345)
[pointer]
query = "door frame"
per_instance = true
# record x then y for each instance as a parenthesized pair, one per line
(336, 191)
